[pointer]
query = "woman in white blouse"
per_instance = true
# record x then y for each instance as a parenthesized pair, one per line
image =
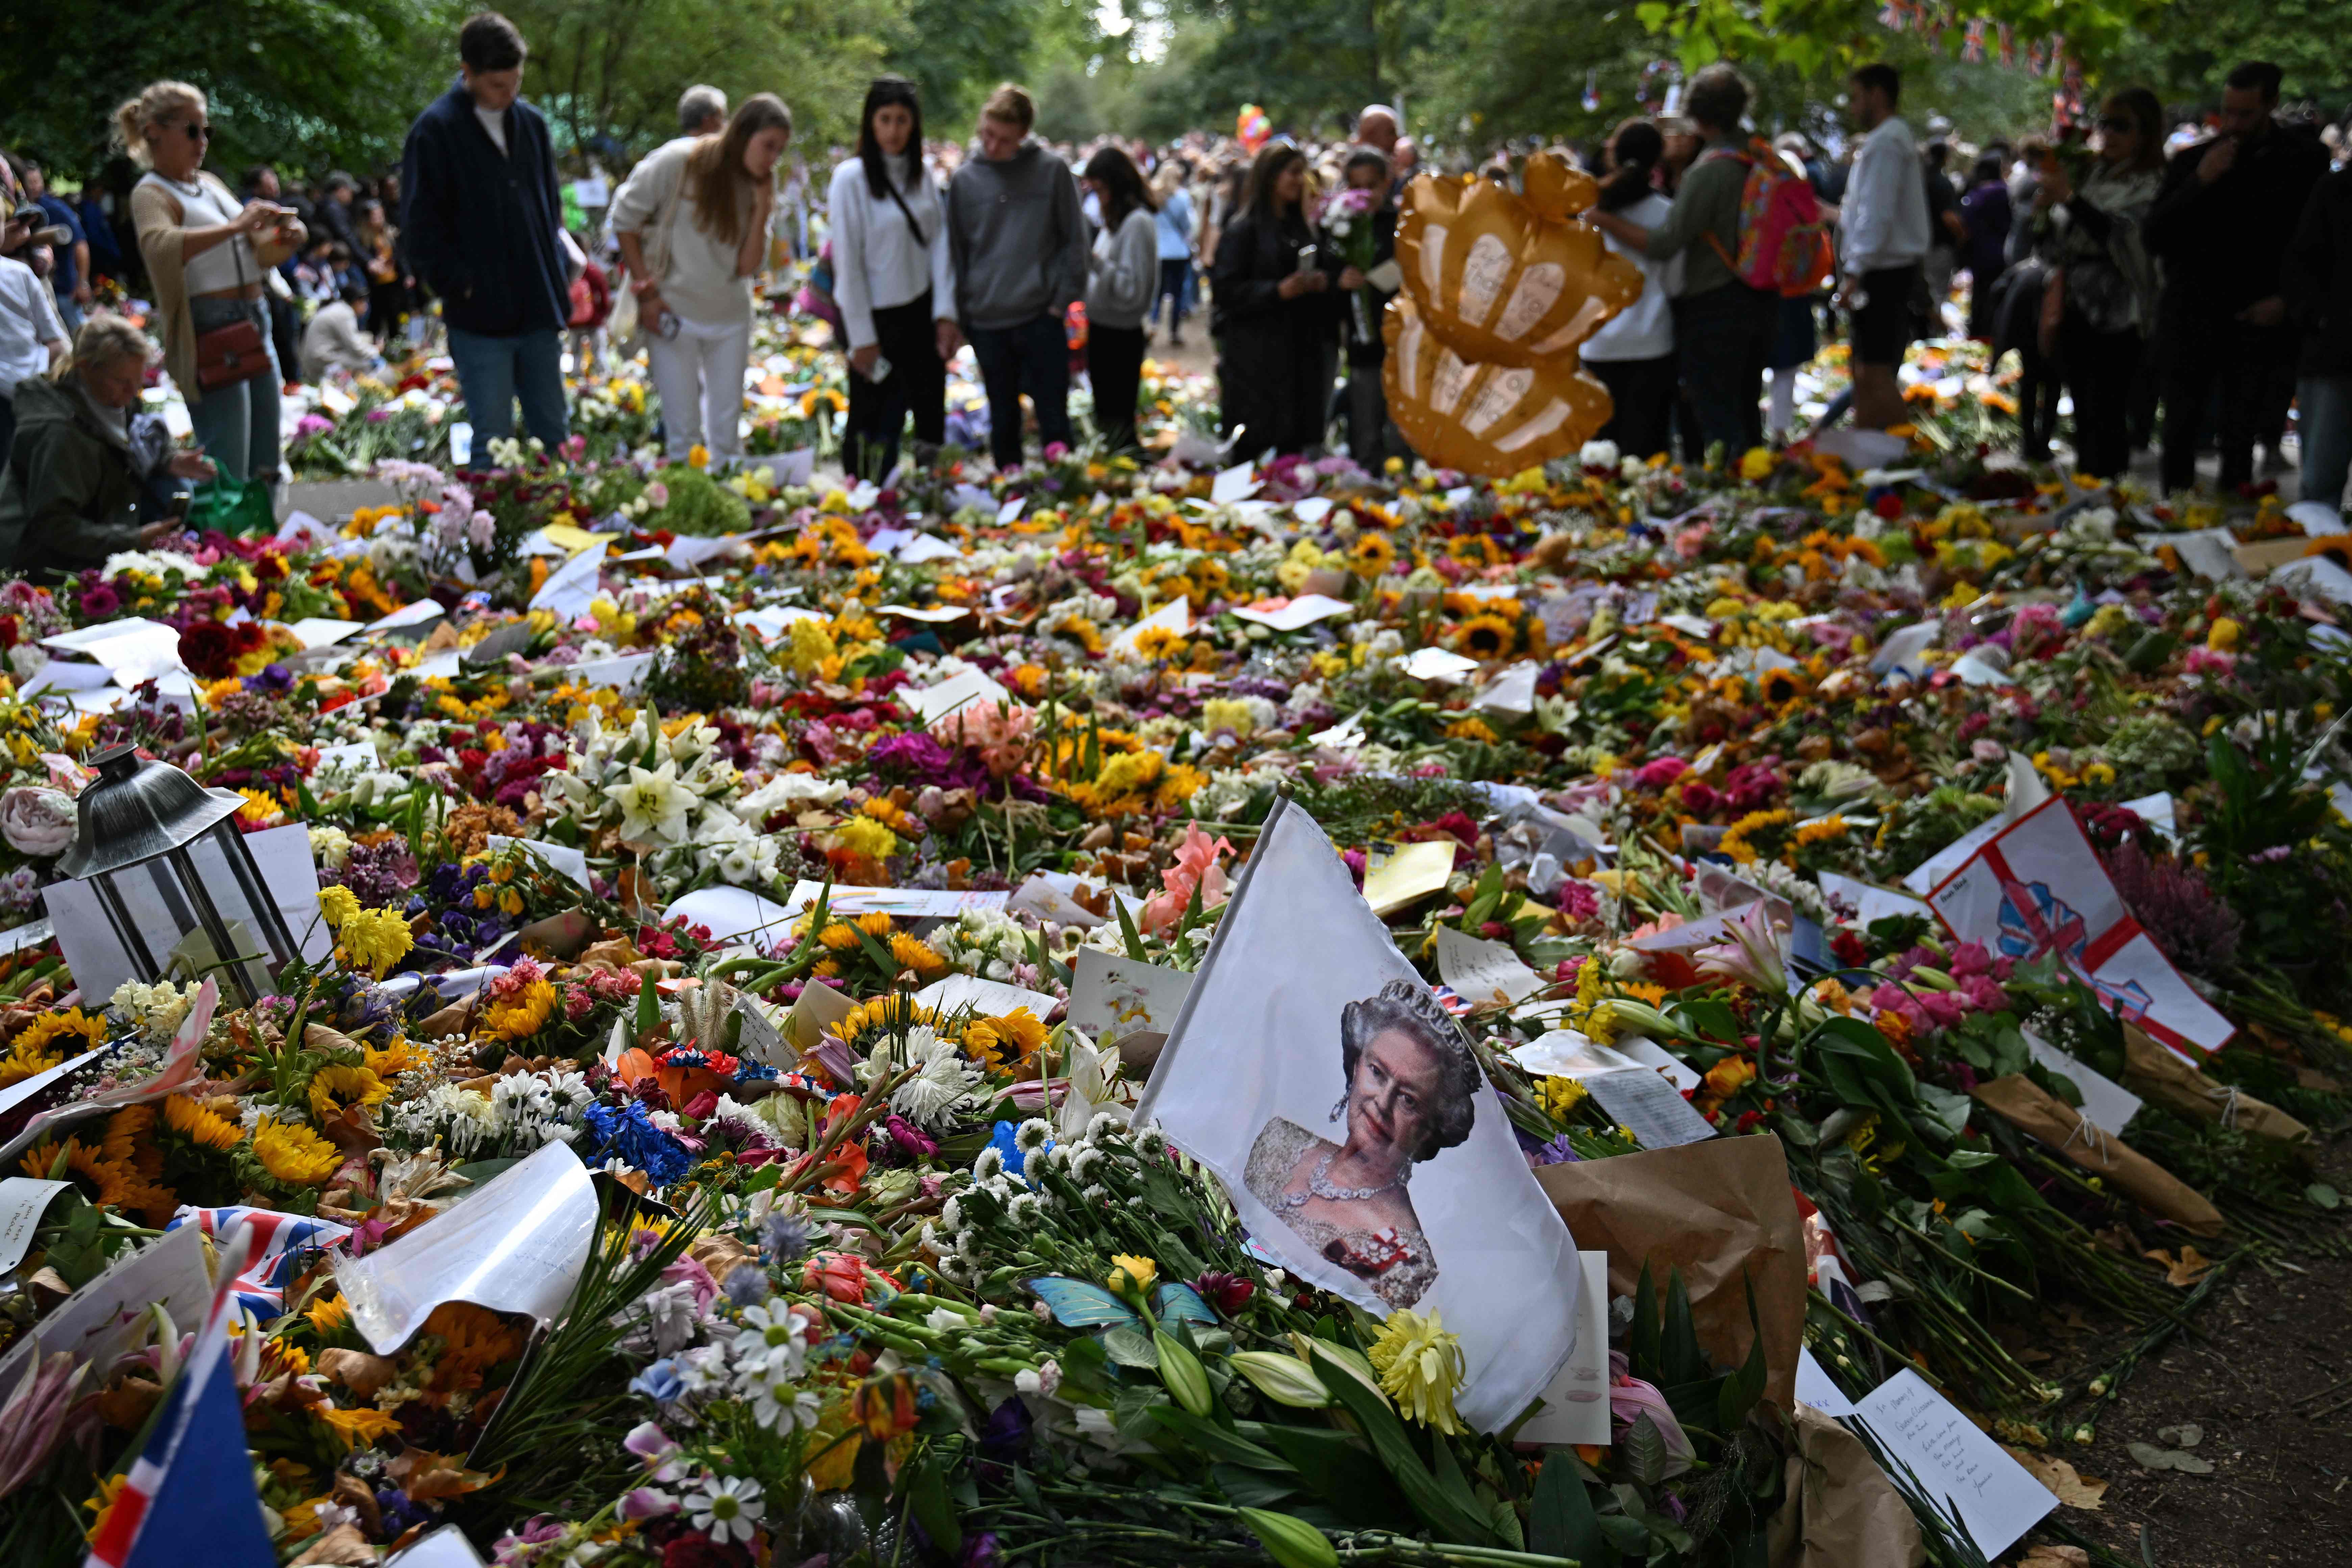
(692, 222)
(1633, 355)
(894, 282)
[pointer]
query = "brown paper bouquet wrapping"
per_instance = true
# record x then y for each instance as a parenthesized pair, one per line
(1499, 290)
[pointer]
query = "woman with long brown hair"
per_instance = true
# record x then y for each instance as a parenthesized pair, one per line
(1123, 275)
(1273, 313)
(692, 222)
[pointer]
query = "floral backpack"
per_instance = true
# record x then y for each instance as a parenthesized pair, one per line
(1784, 243)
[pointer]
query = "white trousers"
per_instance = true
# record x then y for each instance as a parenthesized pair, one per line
(699, 375)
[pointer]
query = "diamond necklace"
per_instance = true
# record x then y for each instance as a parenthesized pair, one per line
(1319, 1186)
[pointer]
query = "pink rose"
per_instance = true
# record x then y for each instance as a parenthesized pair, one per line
(36, 820)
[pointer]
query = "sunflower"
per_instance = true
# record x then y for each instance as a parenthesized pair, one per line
(1371, 555)
(1017, 1034)
(388, 1062)
(473, 1340)
(1159, 643)
(294, 1153)
(335, 1089)
(356, 1427)
(1488, 637)
(102, 1504)
(103, 1181)
(1780, 686)
(328, 1316)
(912, 952)
(199, 1125)
(1739, 842)
(33, 1043)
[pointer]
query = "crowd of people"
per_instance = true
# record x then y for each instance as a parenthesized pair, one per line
(2184, 289)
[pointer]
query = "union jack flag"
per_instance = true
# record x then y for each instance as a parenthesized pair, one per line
(283, 1245)
(193, 1481)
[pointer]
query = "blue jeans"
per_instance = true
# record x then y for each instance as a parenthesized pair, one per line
(2324, 422)
(1034, 358)
(493, 372)
(237, 425)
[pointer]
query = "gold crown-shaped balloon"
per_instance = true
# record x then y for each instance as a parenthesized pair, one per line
(1483, 418)
(1507, 278)
(1499, 290)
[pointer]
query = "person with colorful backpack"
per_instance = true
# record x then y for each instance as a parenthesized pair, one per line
(1725, 320)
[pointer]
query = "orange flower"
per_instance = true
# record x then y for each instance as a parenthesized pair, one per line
(884, 1406)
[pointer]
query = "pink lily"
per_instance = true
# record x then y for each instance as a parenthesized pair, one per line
(1629, 1399)
(1752, 957)
(34, 1415)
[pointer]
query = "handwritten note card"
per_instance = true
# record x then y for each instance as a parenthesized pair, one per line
(1997, 1497)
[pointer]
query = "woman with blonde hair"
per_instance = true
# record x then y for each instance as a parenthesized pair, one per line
(83, 480)
(206, 254)
(692, 222)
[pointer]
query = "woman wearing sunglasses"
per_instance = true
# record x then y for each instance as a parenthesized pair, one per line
(2091, 233)
(206, 254)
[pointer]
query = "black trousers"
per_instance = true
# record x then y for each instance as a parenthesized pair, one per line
(1030, 359)
(2224, 364)
(2100, 369)
(917, 385)
(1641, 403)
(1722, 338)
(1115, 366)
(1175, 273)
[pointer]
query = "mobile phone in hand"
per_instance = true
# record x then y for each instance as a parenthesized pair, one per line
(878, 370)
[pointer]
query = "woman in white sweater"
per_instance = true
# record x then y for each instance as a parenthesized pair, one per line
(893, 281)
(1122, 276)
(692, 222)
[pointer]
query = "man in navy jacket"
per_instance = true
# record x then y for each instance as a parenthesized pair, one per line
(483, 222)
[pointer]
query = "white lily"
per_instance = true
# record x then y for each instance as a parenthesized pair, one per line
(654, 806)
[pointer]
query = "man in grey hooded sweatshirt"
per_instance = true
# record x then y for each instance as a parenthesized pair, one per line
(1019, 242)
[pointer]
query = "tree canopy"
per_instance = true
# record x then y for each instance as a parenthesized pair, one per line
(320, 83)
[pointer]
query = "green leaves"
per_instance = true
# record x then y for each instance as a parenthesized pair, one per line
(1435, 1502)
(1561, 1521)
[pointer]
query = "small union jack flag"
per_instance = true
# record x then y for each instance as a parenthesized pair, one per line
(189, 1500)
(283, 1245)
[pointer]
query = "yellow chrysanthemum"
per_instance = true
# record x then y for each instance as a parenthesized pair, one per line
(865, 837)
(294, 1153)
(334, 1089)
(375, 939)
(200, 1124)
(338, 904)
(1420, 1365)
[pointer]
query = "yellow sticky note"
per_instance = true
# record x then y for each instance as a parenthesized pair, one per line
(1410, 871)
(571, 540)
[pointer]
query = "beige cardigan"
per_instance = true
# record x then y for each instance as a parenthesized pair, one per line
(162, 225)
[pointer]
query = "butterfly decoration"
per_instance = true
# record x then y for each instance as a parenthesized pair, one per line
(1077, 1304)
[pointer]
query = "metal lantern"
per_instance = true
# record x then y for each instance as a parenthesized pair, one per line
(143, 842)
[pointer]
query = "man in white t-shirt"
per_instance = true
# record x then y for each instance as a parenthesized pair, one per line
(1884, 218)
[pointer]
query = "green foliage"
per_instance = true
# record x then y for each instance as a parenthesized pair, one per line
(614, 68)
(308, 84)
(699, 504)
